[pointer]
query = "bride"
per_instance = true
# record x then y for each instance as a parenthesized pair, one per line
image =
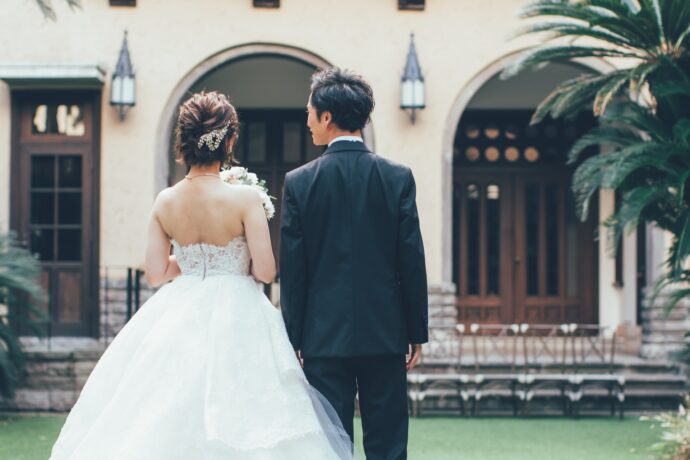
(204, 370)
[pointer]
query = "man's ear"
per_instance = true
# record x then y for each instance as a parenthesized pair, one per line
(327, 118)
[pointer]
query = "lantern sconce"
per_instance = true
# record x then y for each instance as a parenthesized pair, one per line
(412, 84)
(123, 85)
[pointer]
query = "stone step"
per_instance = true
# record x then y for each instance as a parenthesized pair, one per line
(666, 327)
(548, 401)
(633, 365)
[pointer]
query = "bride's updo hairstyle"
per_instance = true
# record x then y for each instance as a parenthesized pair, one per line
(205, 123)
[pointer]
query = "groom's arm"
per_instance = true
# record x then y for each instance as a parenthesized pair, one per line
(293, 268)
(412, 266)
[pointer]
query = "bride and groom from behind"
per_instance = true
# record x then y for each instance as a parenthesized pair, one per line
(208, 368)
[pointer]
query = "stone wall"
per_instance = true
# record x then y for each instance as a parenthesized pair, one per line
(113, 301)
(57, 368)
(55, 373)
(663, 331)
(442, 310)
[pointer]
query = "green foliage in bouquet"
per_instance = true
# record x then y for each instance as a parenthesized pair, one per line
(20, 297)
(642, 143)
(675, 438)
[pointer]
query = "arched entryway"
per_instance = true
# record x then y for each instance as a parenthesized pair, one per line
(518, 251)
(269, 85)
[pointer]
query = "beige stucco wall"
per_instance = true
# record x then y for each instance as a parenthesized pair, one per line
(455, 40)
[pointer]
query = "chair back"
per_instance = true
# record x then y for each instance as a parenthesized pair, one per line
(594, 345)
(547, 347)
(495, 344)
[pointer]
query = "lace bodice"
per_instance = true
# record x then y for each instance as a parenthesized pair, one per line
(204, 259)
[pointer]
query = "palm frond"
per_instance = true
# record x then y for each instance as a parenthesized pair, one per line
(639, 118)
(613, 16)
(608, 91)
(608, 136)
(573, 95)
(630, 213)
(681, 248)
(570, 29)
(537, 57)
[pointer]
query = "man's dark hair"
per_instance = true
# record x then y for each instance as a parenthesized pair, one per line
(346, 95)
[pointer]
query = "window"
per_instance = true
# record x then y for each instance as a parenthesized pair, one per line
(266, 3)
(410, 4)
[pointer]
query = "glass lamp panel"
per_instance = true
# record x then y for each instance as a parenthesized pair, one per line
(116, 91)
(419, 100)
(128, 91)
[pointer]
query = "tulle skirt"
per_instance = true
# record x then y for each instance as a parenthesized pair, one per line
(203, 371)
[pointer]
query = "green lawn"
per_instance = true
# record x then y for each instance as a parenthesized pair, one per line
(30, 438)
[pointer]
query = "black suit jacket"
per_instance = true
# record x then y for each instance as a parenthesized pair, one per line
(352, 269)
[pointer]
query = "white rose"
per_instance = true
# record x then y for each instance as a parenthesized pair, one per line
(238, 171)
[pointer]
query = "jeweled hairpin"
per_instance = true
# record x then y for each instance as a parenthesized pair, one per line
(212, 139)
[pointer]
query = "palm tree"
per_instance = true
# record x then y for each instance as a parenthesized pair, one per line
(650, 36)
(646, 130)
(20, 297)
(46, 7)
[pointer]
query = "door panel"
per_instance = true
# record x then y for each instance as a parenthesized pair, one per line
(272, 143)
(483, 208)
(520, 253)
(54, 200)
(523, 255)
(552, 252)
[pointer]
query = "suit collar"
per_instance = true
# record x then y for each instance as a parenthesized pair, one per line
(346, 146)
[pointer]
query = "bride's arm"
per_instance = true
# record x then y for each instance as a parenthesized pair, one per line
(259, 239)
(161, 267)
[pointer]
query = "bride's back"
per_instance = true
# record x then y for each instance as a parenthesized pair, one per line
(203, 210)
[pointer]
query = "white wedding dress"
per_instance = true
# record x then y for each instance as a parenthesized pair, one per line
(203, 371)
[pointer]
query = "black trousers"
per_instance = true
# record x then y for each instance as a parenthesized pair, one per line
(382, 385)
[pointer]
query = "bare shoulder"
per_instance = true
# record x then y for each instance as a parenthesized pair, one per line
(243, 195)
(163, 199)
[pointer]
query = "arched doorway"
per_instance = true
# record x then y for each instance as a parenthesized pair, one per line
(519, 252)
(269, 85)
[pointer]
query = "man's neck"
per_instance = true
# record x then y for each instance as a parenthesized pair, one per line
(340, 133)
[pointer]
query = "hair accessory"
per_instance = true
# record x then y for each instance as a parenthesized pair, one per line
(213, 138)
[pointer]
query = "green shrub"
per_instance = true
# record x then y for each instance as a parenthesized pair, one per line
(20, 298)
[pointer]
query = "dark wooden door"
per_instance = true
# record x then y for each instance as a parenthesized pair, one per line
(484, 245)
(520, 252)
(555, 254)
(271, 143)
(55, 200)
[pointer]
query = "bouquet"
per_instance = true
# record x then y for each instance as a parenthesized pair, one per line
(239, 175)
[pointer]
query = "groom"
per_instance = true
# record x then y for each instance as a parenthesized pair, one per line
(353, 277)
